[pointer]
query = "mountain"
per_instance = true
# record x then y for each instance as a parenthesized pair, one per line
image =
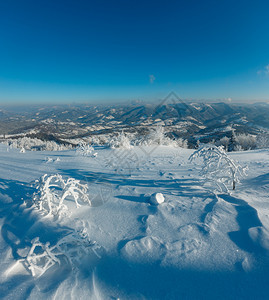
(188, 120)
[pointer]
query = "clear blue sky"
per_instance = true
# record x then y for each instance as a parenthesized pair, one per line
(58, 51)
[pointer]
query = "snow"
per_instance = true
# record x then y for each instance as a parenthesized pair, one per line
(194, 244)
(157, 198)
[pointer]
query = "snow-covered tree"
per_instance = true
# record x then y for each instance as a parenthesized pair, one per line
(238, 142)
(262, 141)
(232, 142)
(120, 141)
(223, 142)
(218, 167)
(245, 142)
(35, 144)
(182, 143)
(157, 136)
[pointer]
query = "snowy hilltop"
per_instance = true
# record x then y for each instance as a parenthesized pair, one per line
(145, 221)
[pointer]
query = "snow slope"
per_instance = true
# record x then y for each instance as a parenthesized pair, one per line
(194, 245)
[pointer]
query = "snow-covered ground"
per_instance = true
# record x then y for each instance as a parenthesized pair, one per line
(194, 245)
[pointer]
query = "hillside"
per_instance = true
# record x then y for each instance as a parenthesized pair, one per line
(197, 244)
(191, 121)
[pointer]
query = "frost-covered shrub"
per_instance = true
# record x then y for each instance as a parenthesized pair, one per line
(71, 249)
(100, 140)
(49, 159)
(40, 258)
(238, 142)
(76, 245)
(123, 140)
(262, 141)
(218, 167)
(85, 149)
(53, 191)
(35, 144)
(245, 142)
(120, 141)
(92, 140)
(182, 143)
(157, 136)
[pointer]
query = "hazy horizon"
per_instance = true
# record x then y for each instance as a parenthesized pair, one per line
(18, 105)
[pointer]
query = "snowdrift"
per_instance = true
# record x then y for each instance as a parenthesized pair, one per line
(132, 223)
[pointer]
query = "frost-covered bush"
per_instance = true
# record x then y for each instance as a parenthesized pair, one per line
(262, 141)
(245, 142)
(85, 149)
(53, 191)
(182, 143)
(238, 142)
(157, 136)
(40, 258)
(124, 140)
(120, 141)
(35, 144)
(71, 249)
(100, 140)
(76, 245)
(218, 167)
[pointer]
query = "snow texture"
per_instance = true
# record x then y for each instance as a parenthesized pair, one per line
(87, 228)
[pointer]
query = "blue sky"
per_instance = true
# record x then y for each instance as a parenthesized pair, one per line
(96, 50)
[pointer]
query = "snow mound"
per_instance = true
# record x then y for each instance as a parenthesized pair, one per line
(147, 249)
(260, 236)
(156, 198)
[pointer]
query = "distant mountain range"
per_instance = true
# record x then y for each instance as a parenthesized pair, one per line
(192, 121)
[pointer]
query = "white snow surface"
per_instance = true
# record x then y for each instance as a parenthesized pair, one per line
(194, 245)
(156, 198)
